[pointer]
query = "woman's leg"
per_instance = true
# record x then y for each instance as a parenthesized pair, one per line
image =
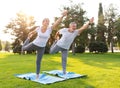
(26, 42)
(29, 46)
(40, 53)
(64, 60)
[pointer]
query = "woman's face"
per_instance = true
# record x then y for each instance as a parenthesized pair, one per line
(45, 22)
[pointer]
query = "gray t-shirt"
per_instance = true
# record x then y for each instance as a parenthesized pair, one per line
(67, 38)
(42, 38)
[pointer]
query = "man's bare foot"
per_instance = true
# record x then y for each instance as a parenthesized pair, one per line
(64, 72)
(37, 76)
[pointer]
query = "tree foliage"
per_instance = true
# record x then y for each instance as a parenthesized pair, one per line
(111, 17)
(7, 46)
(92, 33)
(23, 24)
(20, 26)
(117, 30)
(101, 28)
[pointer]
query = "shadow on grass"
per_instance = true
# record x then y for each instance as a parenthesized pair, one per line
(106, 61)
(54, 62)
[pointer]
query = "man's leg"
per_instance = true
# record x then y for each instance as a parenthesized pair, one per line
(54, 48)
(64, 60)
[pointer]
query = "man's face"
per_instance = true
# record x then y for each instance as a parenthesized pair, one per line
(73, 26)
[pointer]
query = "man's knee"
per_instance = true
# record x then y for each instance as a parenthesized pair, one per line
(51, 52)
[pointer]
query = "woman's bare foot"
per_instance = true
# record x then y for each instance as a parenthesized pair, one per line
(29, 35)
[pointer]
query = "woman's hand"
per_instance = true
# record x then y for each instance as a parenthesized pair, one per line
(59, 19)
(30, 35)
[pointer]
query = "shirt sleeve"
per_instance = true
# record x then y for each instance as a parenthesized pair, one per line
(61, 31)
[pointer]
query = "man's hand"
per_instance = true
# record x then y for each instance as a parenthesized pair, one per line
(91, 20)
(64, 12)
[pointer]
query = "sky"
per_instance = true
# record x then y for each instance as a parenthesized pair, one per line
(45, 8)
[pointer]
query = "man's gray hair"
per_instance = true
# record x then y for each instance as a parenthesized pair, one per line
(72, 23)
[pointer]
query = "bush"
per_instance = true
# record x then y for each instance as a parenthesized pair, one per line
(17, 49)
(80, 49)
(98, 47)
(47, 49)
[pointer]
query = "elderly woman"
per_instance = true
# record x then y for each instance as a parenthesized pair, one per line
(39, 43)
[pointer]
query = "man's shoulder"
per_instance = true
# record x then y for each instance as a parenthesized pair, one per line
(64, 29)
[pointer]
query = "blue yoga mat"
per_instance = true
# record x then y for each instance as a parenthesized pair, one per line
(44, 79)
(68, 75)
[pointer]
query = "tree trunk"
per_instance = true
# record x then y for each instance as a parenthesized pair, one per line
(73, 48)
(111, 45)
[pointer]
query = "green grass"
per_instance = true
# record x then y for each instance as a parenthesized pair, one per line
(103, 70)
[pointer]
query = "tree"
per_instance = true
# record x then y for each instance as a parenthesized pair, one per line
(17, 46)
(7, 46)
(0, 45)
(101, 28)
(117, 30)
(111, 17)
(92, 31)
(20, 26)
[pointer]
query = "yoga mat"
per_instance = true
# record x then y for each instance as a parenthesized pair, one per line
(44, 79)
(68, 75)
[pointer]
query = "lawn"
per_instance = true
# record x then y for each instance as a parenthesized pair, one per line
(102, 70)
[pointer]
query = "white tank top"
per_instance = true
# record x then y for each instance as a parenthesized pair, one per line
(42, 38)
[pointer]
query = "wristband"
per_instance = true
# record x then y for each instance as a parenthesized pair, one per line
(89, 23)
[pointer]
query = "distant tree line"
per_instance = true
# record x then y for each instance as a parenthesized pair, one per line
(5, 45)
(0, 45)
